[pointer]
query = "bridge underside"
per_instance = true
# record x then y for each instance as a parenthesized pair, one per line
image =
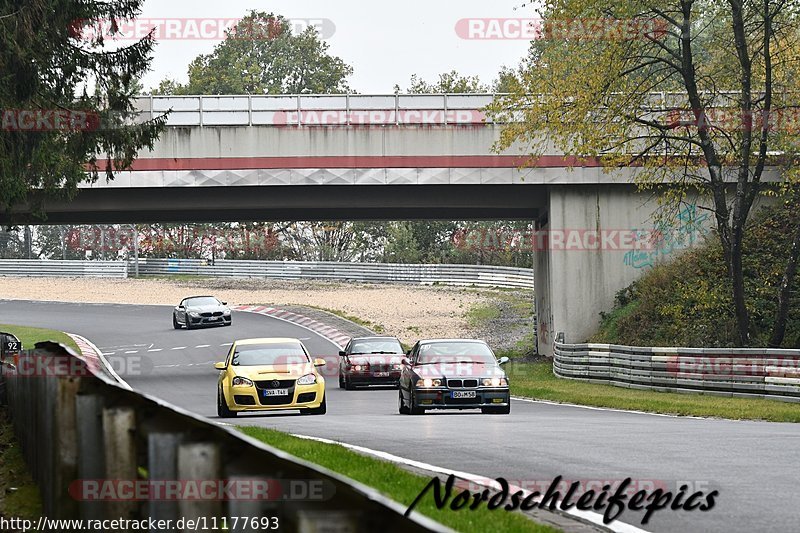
(300, 202)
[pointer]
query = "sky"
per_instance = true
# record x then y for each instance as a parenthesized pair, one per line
(384, 42)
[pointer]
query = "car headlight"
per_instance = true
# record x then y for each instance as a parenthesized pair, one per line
(359, 368)
(227, 312)
(239, 381)
(308, 379)
(495, 382)
(194, 315)
(428, 383)
(397, 367)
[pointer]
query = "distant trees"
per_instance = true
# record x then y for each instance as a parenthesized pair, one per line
(262, 55)
(66, 98)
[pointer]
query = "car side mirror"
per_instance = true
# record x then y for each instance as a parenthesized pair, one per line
(220, 365)
(342, 353)
(404, 361)
(224, 303)
(179, 307)
(503, 360)
(320, 362)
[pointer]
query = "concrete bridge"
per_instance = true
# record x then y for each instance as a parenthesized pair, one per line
(422, 157)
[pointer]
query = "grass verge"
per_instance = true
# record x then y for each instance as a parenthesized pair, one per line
(30, 336)
(19, 495)
(536, 380)
(394, 482)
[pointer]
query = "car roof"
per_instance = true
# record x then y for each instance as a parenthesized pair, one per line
(201, 296)
(375, 337)
(267, 340)
(433, 341)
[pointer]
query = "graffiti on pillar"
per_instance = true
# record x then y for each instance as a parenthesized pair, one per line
(682, 232)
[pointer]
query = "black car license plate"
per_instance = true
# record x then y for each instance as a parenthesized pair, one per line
(464, 394)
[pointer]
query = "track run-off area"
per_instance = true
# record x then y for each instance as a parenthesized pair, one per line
(752, 464)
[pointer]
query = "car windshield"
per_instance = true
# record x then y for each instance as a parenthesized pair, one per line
(376, 346)
(269, 354)
(202, 300)
(455, 352)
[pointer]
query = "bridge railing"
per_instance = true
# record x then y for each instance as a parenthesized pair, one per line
(318, 110)
(100, 451)
(445, 274)
(733, 372)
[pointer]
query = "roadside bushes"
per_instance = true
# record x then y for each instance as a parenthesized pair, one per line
(687, 302)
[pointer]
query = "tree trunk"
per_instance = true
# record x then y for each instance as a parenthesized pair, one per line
(779, 330)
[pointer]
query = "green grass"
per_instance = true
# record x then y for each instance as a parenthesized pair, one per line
(19, 495)
(30, 336)
(536, 380)
(377, 328)
(394, 482)
(481, 314)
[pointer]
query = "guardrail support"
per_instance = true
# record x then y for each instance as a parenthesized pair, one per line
(199, 461)
(91, 448)
(162, 464)
(119, 426)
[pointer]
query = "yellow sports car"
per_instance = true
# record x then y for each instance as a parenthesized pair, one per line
(268, 375)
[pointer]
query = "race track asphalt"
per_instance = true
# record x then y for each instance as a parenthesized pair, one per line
(753, 465)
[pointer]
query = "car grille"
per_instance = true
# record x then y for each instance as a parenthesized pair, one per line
(209, 315)
(462, 383)
(275, 384)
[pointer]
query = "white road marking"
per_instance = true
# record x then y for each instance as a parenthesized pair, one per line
(593, 408)
(179, 348)
(132, 351)
(108, 353)
(203, 346)
(227, 344)
(155, 350)
(617, 526)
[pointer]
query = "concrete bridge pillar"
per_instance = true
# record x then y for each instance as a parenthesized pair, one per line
(596, 240)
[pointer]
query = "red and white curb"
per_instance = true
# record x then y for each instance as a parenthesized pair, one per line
(337, 337)
(95, 360)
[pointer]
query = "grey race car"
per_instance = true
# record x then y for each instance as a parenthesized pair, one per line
(198, 311)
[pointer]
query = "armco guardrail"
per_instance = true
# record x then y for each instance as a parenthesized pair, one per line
(39, 268)
(479, 275)
(99, 451)
(745, 373)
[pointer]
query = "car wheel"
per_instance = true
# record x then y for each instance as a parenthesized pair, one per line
(322, 409)
(413, 408)
(222, 407)
(229, 323)
(504, 410)
(401, 406)
(341, 380)
(188, 321)
(175, 323)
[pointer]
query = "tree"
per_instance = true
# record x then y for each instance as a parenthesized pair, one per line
(448, 82)
(67, 98)
(590, 86)
(261, 55)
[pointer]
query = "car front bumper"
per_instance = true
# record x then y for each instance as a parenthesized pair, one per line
(251, 398)
(210, 321)
(442, 398)
(373, 377)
